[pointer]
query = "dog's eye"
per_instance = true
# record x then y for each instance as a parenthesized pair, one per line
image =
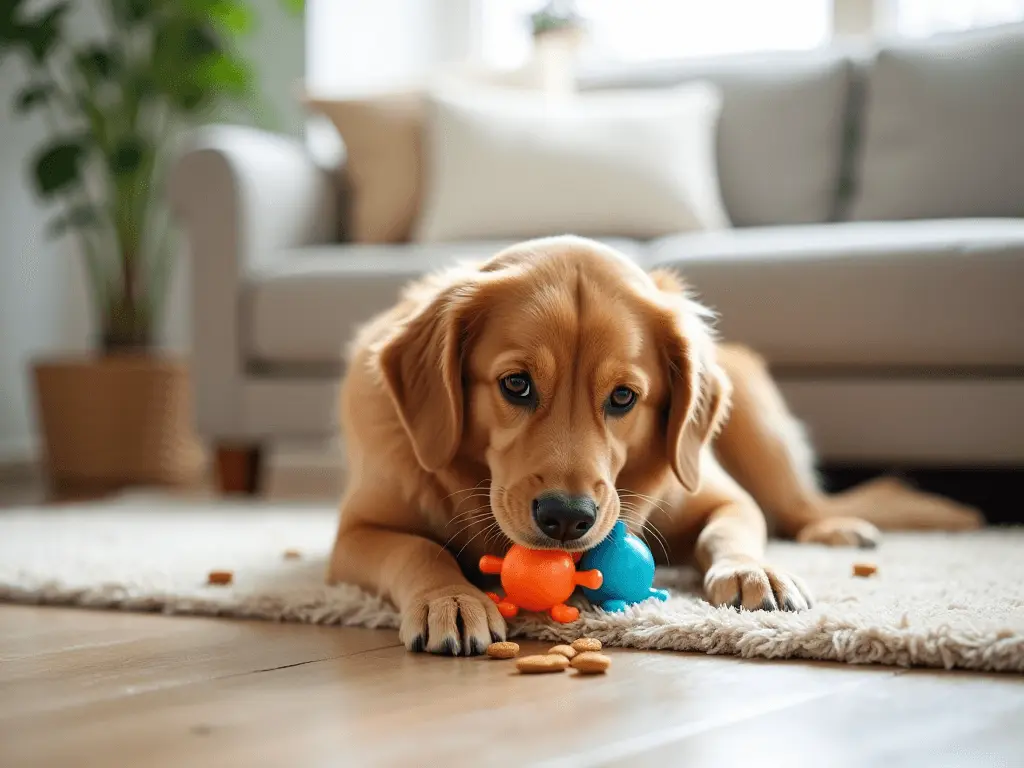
(517, 388)
(620, 401)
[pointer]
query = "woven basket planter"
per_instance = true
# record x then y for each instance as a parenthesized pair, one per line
(117, 421)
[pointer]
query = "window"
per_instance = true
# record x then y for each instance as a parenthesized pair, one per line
(920, 18)
(649, 30)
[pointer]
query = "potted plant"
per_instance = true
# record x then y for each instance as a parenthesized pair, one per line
(112, 107)
(557, 17)
(558, 31)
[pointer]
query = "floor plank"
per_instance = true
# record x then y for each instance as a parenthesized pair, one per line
(109, 689)
(913, 719)
(173, 701)
(121, 655)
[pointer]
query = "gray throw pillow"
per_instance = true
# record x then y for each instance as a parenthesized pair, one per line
(943, 133)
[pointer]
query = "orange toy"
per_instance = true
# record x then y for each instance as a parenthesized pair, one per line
(538, 580)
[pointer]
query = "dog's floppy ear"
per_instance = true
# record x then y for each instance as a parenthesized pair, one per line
(422, 365)
(699, 389)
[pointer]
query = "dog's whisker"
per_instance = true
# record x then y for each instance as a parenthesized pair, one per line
(469, 493)
(472, 514)
(468, 526)
(476, 487)
(649, 527)
(469, 513)
(645, 526)
(653, 501)
(497, 534)
(464, 499)
(470, 522)
(459, 554)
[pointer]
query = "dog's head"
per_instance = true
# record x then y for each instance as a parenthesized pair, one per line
(560, 364)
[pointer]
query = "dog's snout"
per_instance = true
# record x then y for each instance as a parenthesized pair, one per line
(564, 517)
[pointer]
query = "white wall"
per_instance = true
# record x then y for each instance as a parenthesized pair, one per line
(43, 304)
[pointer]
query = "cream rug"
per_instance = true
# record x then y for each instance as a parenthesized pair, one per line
(953, 601)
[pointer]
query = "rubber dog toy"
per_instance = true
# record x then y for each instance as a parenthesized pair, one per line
(628, 569)
(538, 580)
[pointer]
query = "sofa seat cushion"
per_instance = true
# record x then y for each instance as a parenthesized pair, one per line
(304, 307)
(925, 294)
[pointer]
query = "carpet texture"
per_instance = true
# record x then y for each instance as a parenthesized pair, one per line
(953, 601)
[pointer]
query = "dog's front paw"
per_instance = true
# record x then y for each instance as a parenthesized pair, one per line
(840, 532)
(453, 621)
(745, 583)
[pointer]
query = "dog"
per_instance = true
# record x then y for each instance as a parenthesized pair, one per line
(539, 396)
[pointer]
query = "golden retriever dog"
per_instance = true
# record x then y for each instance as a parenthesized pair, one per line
(538, 397)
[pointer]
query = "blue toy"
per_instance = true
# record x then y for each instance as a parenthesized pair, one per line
(628, 569)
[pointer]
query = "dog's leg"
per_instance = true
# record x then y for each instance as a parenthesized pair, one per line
(764, 447)
(730, 550)
(441, 611)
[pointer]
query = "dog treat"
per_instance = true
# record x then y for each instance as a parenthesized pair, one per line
(586, 644)
(537, 665)
(565, 650)
(503, 650)
(292, 554)
(591, 663)
(220, 578)
(864, 569)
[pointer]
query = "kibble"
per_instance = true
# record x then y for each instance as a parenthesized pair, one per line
(591, 663)
(864, 569)
(585, 644)
(564, 650)
(220, 578)
(503, 650)
(292, 554)
(538, 665)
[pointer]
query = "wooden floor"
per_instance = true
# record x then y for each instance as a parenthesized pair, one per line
(89, 688)
(106, 689)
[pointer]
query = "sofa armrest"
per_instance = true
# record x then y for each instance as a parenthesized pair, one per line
(242, 196)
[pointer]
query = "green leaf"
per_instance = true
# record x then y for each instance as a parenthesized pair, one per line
(234, 16)
(42, 35)
(200, 42)
(127, 156)
(97, 63)
(78, 217)
(58, 167)
(227, 75)
(294, 6)
(133, 12)
(32, 96)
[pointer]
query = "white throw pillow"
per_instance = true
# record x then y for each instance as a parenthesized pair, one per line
(508, 164)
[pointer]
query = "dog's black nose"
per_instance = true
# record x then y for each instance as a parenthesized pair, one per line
(564, 517)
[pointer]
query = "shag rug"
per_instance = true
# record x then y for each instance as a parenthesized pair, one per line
(938, 600)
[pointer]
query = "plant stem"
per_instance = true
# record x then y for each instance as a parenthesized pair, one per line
(94, 265)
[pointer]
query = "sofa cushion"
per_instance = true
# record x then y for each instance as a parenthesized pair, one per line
(942, 134)
(635, 163)
(305, 307)
(780, 136)
(916, 294)
(381, 172)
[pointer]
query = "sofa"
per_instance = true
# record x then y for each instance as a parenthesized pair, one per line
(875, 256)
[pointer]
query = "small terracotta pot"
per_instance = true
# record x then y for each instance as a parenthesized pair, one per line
(117, 421)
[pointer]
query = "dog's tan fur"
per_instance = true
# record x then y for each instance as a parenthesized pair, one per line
(442, 469)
